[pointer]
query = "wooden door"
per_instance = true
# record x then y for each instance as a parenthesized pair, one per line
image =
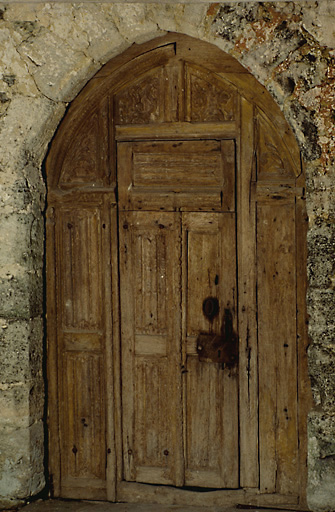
(173, 179)
(179, 414)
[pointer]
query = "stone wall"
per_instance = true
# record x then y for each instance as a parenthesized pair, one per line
(47, 53)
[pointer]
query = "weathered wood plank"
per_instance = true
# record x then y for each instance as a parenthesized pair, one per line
(81, 374)
(177, 175)
(177, 131)
(278, 429)
(139, 493)
(109, 229)
(52, 359)
(248, 359)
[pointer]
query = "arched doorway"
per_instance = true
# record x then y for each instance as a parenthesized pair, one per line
(176, 286)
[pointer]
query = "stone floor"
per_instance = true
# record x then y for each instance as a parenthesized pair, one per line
(98, 506)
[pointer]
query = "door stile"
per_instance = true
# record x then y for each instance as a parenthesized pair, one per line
(183, 307)
(116, 348)
(108, 235)
(127, 336)
(181, 363)
(247, 312)
(53, 358)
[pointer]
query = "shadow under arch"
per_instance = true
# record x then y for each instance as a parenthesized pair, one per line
(104, 164)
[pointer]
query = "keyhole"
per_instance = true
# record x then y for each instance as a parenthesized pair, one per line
(210, 307)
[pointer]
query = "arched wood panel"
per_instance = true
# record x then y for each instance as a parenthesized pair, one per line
(179, 127)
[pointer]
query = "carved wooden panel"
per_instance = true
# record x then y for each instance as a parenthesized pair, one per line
(141, 102)
(86, 158)
(208, 97)
(273, 159)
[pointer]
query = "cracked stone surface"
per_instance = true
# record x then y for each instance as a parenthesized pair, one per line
(48, 52)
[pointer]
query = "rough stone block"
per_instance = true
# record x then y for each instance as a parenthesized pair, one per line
(104, 39)
(169, 16)
(321, 334)
(321, 462)
(36, 399)
(25, 132)
(59, 71)
(13, 70)
(20, 460)
(133, 22)
(21, 263)
(320, 307)
(18, 197)
(21, 349)
(15, 238)
(21, 297)
(320, 21)
(321, 261)
(322, 374)
(14, 406)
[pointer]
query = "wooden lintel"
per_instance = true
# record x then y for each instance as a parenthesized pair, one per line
(224, 130)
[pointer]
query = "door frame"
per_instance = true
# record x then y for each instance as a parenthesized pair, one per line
(252, 94)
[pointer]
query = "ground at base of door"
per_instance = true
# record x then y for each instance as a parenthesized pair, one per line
(100, 506)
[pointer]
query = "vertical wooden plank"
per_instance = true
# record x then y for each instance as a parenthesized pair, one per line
(116, 349)
(127, 346)
(247, 307)
(52, 360)
(278, 429)
(109, 241)
(124, 173)
(229, 163)
(83, 420)
(172, 76)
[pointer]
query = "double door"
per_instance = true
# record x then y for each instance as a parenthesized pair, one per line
(179, 407)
